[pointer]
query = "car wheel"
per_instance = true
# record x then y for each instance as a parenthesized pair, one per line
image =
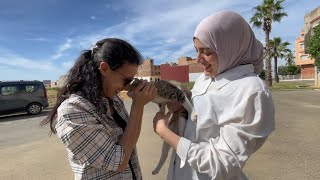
(34, 108)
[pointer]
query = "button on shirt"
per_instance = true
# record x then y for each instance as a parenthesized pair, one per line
(91, 140)
(235, 115)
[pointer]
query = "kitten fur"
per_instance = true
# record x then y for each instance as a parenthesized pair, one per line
(169, 91)
(166, 91)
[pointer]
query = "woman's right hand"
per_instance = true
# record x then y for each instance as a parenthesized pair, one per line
(144, 93)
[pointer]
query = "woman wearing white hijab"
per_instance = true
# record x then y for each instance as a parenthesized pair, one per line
(235, 111)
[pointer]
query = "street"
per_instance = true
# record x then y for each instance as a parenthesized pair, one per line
(291, 152)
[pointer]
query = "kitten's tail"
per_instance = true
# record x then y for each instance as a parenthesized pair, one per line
(187, 105)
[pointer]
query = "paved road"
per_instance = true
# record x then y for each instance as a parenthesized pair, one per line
(291, 152)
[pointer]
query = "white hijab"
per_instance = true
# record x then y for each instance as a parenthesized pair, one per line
(231, 37)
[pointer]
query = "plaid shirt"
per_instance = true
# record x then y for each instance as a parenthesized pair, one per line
(91, 141)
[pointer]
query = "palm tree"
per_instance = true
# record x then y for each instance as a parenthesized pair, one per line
(264, 15)
(289, 58)
(278, 49)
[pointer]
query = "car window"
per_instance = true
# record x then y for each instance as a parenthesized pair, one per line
(30, 87)
(9, 89)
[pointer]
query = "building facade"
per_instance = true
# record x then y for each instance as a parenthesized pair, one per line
(195, 69)
(148, 71)
(186, 70)
(311, 20)
(47, 83)
(174, 72)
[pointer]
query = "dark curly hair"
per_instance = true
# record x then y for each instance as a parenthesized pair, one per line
(84, 77)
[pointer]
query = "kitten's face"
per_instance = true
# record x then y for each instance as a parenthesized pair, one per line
(133, 85)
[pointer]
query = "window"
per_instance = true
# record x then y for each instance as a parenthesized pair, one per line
(9, 89)
(30, 87)
(301, 46)
(304, 57)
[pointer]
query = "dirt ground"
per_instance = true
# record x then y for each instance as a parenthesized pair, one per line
(291, 152)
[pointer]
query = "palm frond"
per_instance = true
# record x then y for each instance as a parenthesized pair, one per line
(278, 16)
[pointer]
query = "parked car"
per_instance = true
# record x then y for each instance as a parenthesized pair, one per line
(22, 96)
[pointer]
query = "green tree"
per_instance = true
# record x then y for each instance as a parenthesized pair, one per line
(278, 49)
(293, 70)
(290, 58)
(289, 70)
(313, 46)
(264, 14)
(282, 70)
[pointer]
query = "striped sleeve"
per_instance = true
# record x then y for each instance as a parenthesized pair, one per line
(87, 142)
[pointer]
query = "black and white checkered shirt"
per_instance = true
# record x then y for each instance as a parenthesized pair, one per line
(91, 141)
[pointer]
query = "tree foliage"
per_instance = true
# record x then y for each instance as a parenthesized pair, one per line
(289, 70)
(278, 49)
(289, 58)
(313, 46)
(264, 14)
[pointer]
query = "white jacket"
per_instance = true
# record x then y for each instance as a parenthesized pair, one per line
(235, 115)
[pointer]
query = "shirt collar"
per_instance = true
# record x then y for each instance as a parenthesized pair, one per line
(233, 74)
(228, 76)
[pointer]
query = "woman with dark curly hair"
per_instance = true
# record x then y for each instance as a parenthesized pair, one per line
(91, 119)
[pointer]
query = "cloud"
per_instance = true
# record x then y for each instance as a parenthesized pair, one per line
(67, 64)
(162, 30)
(37, 39)
(65, 46)
(16, 67)
(9, 60)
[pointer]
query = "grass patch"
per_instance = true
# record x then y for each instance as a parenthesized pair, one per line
(291, 85)
(52, 96)
(188, 85)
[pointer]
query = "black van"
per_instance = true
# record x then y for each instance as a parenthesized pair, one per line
(22, 96)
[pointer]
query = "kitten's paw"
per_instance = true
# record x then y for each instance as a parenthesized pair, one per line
(194, 116)
(154, 172)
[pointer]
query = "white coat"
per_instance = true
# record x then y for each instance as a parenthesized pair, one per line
(235, 115)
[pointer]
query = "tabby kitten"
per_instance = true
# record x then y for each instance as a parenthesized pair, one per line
(169, 91)
(166, 91)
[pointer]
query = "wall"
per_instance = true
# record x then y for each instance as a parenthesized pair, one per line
(194, 76)
(195, 68)
(186, 61)
(307, 72)
(177, 73)
(311, 20)
(301, 51)
(47, 83)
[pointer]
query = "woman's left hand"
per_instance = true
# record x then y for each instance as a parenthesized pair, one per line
(160, 122)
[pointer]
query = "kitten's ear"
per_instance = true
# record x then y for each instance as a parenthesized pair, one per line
(130, 94)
